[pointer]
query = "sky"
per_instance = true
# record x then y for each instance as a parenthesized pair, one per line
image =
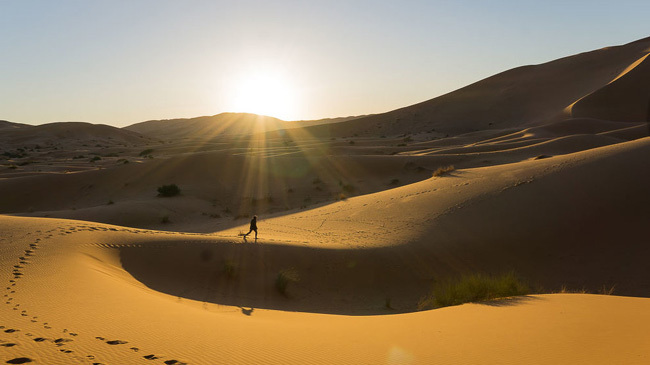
(121, 62)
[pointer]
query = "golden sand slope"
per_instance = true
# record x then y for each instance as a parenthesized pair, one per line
(73, 303)
(81, 292)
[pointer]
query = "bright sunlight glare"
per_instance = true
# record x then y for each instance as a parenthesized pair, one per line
(265, 93)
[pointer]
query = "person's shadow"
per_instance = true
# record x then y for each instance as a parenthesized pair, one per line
(246, 240)
(247, 311)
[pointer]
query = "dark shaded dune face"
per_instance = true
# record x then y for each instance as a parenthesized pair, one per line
(351, 282)
(624, 99)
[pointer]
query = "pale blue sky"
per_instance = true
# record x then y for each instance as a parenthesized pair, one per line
(122, 62)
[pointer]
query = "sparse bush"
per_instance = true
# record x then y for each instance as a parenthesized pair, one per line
(110, 202)
(351, 142)
(394, 182)
(13, 167)
(146, 152)
(388, 303)
(473, 288)
(165, 219)
(96, 158)
(443, 170)
(607, 290)
(168, 190)
(230, 268)
(284, 278)
(290, 190)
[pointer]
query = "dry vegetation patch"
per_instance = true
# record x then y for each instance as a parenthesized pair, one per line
(444, 170)
(473, 288)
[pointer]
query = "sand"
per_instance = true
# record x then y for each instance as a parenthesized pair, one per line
(98, 269)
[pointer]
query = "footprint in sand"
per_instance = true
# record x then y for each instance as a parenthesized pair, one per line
(116, 342)
(62, 341)
(9, 344)
(20, 360)
(151, 357)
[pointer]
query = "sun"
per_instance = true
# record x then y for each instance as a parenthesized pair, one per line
(265, 93)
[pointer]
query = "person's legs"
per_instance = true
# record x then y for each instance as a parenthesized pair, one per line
(249, 232)
(255, 234)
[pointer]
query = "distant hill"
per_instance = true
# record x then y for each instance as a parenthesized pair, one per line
(65, 132)
(610, 83)
(221, 124)
(207, 126)
(4, 124)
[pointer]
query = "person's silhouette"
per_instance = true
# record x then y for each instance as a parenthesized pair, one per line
(253, 227)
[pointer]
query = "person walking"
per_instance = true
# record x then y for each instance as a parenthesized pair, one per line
(253, 227)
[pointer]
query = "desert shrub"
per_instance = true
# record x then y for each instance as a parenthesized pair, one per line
(96, 158)
(284, 278)
(443, 170)
(169, 190)
(394, 182)
(230, 268)
(110, 202)
(146, 152)
(607, 290)
(473, 288)
(351, 142)
(13, 167)
(165, 219)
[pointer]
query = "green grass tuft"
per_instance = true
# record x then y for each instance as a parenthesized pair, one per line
(473, 288)
(284, 278)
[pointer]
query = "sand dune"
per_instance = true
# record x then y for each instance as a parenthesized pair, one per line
(626, 98)
(524, 96)
(127, 310)
(66, 132)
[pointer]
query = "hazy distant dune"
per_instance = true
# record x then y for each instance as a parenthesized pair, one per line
(523, 96)
(68, 131)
